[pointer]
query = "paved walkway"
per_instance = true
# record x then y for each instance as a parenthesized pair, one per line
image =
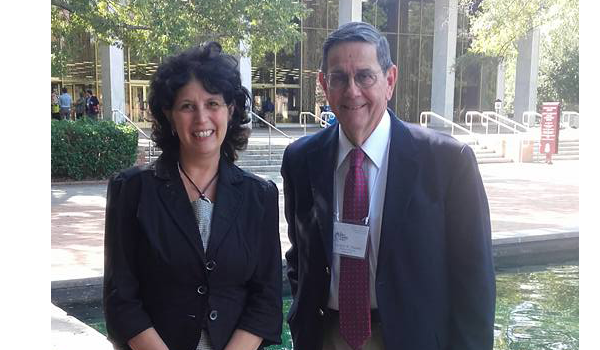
(522, 197)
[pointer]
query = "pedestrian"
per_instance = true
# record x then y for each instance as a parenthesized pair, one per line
(92, 105)
(269, 111)
(192, 251)
(64, 102)
(80, 106)
(55, 108)
(388, 221)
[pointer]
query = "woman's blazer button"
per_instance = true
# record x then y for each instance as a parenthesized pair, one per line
(202, 290)
(213, 315)
(211, 265)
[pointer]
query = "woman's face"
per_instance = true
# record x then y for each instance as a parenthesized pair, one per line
(200, 119)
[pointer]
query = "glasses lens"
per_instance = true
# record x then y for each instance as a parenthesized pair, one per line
(365, 79)
(337, 80)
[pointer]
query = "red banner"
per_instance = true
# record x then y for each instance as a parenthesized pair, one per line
(550, 127)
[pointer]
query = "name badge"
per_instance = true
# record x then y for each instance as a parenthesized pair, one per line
(350, 240)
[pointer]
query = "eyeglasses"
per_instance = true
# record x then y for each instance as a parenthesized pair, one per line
(364, 79)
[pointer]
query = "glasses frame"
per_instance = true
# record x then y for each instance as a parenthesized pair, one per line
(356, 82)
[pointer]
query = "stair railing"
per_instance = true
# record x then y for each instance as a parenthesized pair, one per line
(527, 115)
(507, 120)
(151, 148)
(483, 121)
(568, 115)
(489, 118)
(303, 121)
(424, 120)
(271, 126)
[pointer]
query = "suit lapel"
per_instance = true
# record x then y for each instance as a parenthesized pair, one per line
(172, 194)
(403, 168)
(227, 205)
(321, 165)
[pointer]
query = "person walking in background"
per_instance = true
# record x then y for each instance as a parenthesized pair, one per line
(92, 105)
(80, 106)
(192, 250)
(64, 102)
(55, 108)
(396, 254)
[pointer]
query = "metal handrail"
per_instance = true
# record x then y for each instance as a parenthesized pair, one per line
(526, 116)
(303, 119)
(423, 121)
(568, 114)
(151, 145)
(469, 121)
(506, 119)
(271, 126)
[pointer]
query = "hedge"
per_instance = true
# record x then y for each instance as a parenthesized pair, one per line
(84, 150)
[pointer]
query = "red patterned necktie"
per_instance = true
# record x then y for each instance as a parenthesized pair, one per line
(354, 299)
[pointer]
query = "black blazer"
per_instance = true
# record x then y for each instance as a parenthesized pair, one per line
(157, 274)
(435, 281)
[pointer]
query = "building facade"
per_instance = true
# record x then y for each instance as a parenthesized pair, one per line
(290, 79)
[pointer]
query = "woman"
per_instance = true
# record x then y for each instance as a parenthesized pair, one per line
(80, 106)
(192, 252)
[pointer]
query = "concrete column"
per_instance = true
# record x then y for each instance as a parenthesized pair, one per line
(528, 61)
(350, 11)
(500, 78)
(246, 71)
(444, 56)
(113, 81)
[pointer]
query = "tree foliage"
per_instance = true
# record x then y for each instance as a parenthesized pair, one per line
(496, 26)
(157, 28)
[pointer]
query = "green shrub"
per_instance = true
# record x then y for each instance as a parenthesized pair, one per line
(91, 150)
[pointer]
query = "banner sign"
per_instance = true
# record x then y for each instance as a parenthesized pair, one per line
(550, 127)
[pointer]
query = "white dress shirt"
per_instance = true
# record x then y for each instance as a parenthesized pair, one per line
(376, 148)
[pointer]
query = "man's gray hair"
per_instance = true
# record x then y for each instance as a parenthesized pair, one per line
(359, 31)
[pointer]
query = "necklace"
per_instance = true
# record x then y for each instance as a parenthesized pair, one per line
(202, 195)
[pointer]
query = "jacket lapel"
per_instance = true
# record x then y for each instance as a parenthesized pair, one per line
(321, 165)
(175, 200)
(403, 168)
(227, 205)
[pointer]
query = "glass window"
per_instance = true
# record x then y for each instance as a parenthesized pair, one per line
(376, 13)
(425, 68)
(408, 78)
(428, 17)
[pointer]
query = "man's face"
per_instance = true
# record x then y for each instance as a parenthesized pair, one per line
(357, 108)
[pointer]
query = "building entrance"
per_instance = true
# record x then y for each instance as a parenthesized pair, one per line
(277, 105)
(139, 111)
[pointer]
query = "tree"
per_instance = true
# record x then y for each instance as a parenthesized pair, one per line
(157, 28)
(559, 63)
(497, 25)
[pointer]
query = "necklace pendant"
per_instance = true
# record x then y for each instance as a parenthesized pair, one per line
(204, 198)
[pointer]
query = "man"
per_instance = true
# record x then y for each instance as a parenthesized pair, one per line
(396, 254)
(92, 105)
(64, 102)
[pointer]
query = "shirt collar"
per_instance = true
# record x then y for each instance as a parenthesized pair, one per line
(374, 146)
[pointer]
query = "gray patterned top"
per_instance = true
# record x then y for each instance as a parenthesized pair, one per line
(203, 211)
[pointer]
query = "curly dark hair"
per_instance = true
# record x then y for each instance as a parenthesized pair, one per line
(218, 72)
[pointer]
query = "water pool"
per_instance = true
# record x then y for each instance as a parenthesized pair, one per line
(537, 307)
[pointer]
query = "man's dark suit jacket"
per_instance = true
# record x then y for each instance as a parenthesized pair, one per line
(157, 274)
(435, 280)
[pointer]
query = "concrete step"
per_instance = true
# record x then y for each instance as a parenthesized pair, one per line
(487, 155)
(260, 169)
(493, 160)
(257, 162)
(260, 152)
